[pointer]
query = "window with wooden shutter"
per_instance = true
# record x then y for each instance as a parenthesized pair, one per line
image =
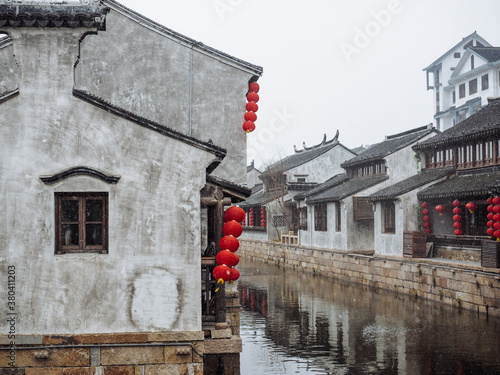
(363, 210)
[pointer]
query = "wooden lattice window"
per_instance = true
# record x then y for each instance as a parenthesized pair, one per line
(320, 214)
(389, 221)
(362, 209)
(338, 217)
(81, 222)
(303, 218)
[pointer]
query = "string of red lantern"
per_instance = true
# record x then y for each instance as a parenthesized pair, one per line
(457, 218)
(229, 244)
(426, 219)
(251, 107)
(250, 216)
(262, 217)
(490, 231)
(440, 208)
(496, 217)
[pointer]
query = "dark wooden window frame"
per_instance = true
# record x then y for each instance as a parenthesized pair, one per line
(473, 86)
(461, 91)
(320, 217)
(389, 217)
(485, 82)
(303, 218)
(338, 217)
(81, 223)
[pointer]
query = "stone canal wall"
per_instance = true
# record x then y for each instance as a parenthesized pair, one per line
(466, 286)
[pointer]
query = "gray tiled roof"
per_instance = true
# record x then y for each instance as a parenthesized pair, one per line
(260, 198)
(423, 178)
(387, 147)
(346, 189)
(485, 123)
(491, 54)
(303, 157)
(332, 181)
(464, 186)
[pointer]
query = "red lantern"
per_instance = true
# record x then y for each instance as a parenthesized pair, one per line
(457, 211)
(490, 208)
(253, 97)
(458, 232)
(425, 205)
(253, 87)
(497, 234)
(490, 231)
(248, 126)
(252, 107)
(222, 272)
(228, 258)
(489, 200)
(229, 243)
(490, 224)
(232, 228)
(428, 231)
(471, 206)
(490, 216)
(457, 225)
(457, 218)
(425, 211)
(496, 209)
(426, 218)
(234, 213)
(456, 203)
(496, 225)
(235, 274)
(250, 116)
(495, 200)
(496, 217)
(427, 225)
(440, 208)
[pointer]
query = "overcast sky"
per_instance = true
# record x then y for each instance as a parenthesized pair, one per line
(355, 66)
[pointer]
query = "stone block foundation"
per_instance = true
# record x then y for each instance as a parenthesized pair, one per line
(466, 286)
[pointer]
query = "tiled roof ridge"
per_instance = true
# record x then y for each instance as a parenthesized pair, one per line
(53, 15)
(342, 177)
(152, 125)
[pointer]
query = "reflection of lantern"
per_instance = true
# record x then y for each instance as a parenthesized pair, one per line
(456, 203)
(234, 213)
(440, 208)
(471, 206)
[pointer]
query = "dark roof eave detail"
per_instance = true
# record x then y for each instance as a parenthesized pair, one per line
(151, 125)
(8, 95)
(79, 171)
(230, 188)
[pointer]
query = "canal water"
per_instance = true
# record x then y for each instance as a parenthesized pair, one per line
(298, 323)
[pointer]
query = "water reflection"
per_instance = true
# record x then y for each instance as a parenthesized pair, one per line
(297, 323)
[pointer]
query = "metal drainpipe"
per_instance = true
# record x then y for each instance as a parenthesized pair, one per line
(191, 85)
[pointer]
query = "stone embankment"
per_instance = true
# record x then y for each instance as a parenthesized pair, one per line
(461, 284)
